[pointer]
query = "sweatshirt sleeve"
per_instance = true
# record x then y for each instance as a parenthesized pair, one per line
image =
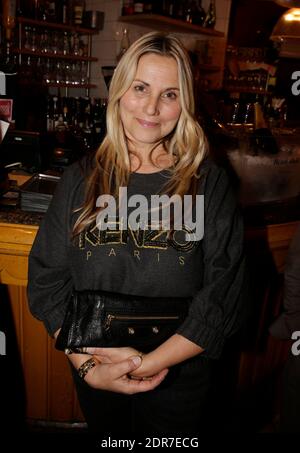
(217, 309)
(49, 276)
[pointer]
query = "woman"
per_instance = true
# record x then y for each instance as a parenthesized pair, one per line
(153, 145)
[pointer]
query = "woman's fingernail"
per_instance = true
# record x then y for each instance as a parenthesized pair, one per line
(137, 360)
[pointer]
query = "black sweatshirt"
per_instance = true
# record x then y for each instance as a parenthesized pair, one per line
(211, 270)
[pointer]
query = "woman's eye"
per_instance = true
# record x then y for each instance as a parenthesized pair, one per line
(139, 88)
(170, 95)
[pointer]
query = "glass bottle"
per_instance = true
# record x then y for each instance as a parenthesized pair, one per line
(127, 8)
(50, 9)
(78, 10)
(199, 13)
(49, 115)
(194, 13)
(124, 44)
(188, 17)
(55, 114)
(63, 12)
(211, 16)
(262, 138)
(138, 7)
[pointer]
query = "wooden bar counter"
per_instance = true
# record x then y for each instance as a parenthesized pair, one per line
(50, 394)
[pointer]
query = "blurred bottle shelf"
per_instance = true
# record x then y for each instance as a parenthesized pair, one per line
(53, 55)
(55, 25)
(164, 23)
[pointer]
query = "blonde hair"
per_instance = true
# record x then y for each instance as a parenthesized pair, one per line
(186, 142)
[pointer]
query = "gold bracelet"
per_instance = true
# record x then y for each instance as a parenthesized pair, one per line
(86, 367)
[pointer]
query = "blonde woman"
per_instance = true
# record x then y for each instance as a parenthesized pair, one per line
(153, 145)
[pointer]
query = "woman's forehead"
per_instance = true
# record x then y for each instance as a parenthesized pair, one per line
(156, 68)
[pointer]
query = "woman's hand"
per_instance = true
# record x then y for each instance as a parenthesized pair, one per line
(115, 377)
(116, 355)
(147, 369)
(112, 355)
(174, 350)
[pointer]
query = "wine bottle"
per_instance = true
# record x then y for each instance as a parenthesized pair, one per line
(78, 10)
(262, 138)
(211, 16)
(199, 14)
(124, 44)
(63, 12)
(50, 7)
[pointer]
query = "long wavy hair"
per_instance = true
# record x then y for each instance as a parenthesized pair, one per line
(186, 143)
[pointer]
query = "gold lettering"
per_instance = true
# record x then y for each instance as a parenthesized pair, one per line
(112, 252)
(181, 260)
(185, 246)
(136, 253)
(116, 235)
(151, 239)
(110, 237)
(92, 236)
(137, 236)
(88, 254)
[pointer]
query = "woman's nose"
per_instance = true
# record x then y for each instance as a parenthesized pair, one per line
(152, 106)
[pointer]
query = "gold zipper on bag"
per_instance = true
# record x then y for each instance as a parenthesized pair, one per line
(110, 318)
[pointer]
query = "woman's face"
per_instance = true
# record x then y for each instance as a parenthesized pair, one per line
(150, 108)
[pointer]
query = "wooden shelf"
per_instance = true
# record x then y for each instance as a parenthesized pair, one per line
(69, 85)
(164, 23)
(24, 21)
(54, 25)
(52, 55)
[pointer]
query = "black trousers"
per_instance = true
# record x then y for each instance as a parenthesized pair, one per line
(179, 405)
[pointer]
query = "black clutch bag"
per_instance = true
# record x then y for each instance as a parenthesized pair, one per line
(105, 319)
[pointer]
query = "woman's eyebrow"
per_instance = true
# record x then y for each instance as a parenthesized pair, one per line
(148, 84)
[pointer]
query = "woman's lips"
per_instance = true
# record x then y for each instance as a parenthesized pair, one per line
(145, 123)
